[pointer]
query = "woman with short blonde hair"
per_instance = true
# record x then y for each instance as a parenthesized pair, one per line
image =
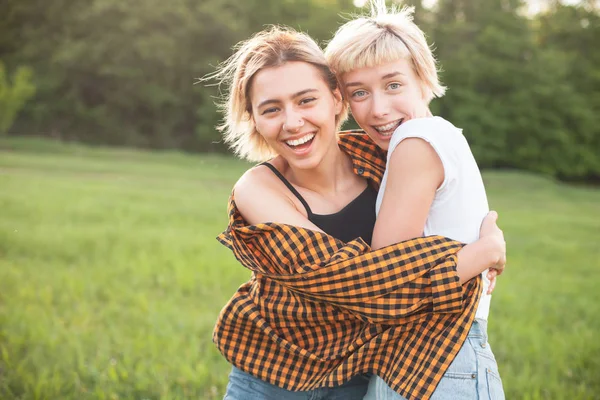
(382, 37)
(432, 184)
(269, 48)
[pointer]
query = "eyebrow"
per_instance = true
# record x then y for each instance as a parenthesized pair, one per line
(391, 75)
(300, 93)
(384, 77)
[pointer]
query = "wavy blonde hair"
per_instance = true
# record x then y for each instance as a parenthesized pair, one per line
(272, 47)
(384, 36)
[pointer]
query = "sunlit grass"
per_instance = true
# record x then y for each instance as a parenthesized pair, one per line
(111, 279)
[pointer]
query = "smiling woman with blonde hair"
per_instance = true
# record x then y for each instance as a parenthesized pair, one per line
(321, 309)
(267, 49)
(432, 184)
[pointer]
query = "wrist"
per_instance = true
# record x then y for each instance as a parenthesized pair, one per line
(492, 250)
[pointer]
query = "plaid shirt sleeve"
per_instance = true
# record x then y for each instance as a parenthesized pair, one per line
(382, 286)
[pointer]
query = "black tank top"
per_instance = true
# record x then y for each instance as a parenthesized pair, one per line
(356, 219)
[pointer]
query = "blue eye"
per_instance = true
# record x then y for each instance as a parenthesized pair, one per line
(394, 86)
(359, 93)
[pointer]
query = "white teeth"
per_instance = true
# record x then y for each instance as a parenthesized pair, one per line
(387, 127)
(301, 140)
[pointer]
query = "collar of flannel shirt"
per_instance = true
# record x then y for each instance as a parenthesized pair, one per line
(318, 311)
(367, 158)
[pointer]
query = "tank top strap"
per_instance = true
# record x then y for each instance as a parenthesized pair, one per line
(289, 186)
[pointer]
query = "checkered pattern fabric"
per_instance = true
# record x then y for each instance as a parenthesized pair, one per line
(318, 311)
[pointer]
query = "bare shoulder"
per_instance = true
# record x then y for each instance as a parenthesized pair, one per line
(261, 197)
(415, 160)
(254, 185)
(415, 151)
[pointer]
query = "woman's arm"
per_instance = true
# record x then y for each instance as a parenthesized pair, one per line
(415, 172)
(387, 286)
(404, 280)
(401, 281)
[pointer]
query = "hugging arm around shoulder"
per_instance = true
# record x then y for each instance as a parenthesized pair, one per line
(400, 281)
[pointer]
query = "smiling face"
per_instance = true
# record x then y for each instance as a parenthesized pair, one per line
(383, 97)
(295, 111)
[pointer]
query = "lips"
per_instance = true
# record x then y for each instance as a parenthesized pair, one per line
(301, 146)
(300, 141)
(388, 129)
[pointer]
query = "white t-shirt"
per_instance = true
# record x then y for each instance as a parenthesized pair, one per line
(460, 203)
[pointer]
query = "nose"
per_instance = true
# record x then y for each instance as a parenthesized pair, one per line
(379, 106)
(293, 122)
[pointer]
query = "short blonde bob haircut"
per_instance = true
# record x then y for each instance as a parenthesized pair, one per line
(383, 37)
(272, 47)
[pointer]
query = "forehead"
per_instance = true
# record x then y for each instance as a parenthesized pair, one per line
(285, 80)
(380, 72)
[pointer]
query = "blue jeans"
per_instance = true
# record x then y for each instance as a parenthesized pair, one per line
(243, 386)
(473, 375)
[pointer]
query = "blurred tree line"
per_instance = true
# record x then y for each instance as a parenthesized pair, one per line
(526, 89)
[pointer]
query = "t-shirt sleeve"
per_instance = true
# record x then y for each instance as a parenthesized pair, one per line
(439, 136)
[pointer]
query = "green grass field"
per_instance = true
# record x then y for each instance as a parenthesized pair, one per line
(111, 279)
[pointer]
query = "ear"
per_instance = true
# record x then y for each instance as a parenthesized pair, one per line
(338, 101)
(250, 116)
(425, 91)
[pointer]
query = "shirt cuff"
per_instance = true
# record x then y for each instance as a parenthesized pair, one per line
(446, 290)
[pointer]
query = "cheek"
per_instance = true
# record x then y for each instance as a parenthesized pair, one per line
(358, 111)
(408, 103)
(325, 113)
(266, 128)
(419, 96)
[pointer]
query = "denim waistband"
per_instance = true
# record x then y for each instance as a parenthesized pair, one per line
(479, 329)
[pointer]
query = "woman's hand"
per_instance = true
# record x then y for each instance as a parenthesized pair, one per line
(495, 237)
(488, 252)
(492, 274)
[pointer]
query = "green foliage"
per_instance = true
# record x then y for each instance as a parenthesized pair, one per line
(123, 73)
(519, 102)
(526, 89)
(573, 33)
(111, 282)
(13, 96)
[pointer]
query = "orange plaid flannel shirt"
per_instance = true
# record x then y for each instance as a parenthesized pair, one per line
(317, 311)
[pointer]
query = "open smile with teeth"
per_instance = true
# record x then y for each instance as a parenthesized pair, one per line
(300, 141)
(389, 128)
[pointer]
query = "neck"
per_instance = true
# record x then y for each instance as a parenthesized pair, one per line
(328, 177)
